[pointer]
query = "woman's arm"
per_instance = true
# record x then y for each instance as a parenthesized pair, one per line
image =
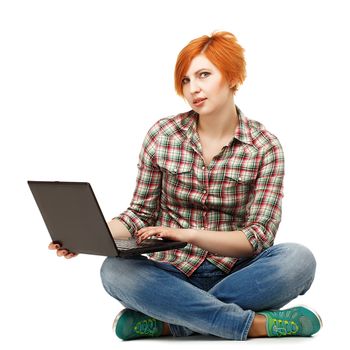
(118, 229)
(221, 243)
(144, 207)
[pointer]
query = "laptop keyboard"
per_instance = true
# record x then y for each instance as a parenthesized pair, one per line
(131, 243)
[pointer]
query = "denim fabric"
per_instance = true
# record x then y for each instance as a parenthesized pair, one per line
(210, 301)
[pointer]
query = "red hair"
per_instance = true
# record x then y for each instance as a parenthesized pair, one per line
(222, 49)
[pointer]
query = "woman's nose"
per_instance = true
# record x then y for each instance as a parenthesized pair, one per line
(194, 87)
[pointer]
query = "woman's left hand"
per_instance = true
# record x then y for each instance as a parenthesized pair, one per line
(175, 234)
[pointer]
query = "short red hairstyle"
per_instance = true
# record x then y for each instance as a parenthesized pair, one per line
(222, 49)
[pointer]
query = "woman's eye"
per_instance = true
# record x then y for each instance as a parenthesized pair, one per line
(185, 80)
(204, 74)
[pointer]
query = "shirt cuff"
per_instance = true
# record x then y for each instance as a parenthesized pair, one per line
(128, 223)
(252, 238)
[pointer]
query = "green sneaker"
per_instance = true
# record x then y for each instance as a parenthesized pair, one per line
(298, 321)
(130, 324)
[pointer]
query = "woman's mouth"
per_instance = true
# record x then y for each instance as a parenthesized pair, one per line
(198, 102)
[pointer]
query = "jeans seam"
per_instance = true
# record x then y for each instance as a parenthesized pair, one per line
(247, 326)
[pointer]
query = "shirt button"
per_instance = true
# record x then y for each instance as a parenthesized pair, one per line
(240, 179)
(175, 170)
(202, 228)
(203, 167)
(204, 191)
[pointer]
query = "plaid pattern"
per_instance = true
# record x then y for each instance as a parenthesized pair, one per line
(241, 189)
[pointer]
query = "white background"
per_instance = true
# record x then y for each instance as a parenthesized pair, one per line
(81, 82)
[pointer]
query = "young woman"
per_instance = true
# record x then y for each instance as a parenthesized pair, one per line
(213, 178)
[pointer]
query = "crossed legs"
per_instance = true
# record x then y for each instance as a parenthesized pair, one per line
(228, 309)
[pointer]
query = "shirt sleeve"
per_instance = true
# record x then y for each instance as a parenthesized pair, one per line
(265, 212)
(144, 206)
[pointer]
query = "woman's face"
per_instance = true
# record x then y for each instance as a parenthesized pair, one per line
(205, 88)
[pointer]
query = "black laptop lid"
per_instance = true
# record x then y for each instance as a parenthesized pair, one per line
(73, 217)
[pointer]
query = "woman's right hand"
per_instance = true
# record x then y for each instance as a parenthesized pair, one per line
(61, 252)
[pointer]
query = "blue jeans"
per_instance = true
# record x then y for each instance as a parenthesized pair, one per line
(210, 301)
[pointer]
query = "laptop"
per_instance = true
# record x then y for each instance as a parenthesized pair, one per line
(74, 220)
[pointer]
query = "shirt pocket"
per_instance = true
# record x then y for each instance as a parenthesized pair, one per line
(177, 180)
(239, 185)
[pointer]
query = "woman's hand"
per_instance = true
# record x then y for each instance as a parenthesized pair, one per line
(61, 252)
(175, 234)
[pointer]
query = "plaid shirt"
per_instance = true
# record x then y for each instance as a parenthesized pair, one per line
(241, 189)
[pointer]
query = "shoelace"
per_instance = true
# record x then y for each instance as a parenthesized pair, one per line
(145, 327)
(284, 327)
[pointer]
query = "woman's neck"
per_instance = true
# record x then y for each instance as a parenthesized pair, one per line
(220, 125)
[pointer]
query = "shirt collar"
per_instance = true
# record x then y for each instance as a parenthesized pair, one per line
(242, 133)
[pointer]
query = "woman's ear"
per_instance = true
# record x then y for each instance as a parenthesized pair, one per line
(232, 84)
